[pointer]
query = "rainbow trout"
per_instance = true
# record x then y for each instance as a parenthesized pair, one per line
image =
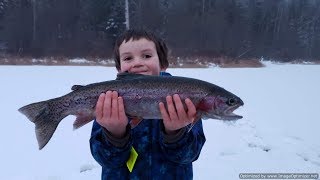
(141, 95)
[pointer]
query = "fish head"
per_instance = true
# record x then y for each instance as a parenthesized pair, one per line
(220, 106)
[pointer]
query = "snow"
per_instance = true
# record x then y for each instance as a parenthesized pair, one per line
(79, 60)
(278, 134)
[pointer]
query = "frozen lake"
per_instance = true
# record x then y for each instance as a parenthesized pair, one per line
(278, 134)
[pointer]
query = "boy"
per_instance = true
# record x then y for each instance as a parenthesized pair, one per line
(165, 149)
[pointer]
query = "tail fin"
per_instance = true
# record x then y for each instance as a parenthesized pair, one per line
(46, 122)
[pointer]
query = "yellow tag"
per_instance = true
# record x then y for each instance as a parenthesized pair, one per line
(132, 159)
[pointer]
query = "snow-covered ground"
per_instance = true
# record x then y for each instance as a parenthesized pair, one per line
(278, 134)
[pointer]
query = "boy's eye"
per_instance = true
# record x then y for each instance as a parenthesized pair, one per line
(127, 58)
(147, 56)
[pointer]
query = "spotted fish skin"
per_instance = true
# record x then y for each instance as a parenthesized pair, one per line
(141, 94)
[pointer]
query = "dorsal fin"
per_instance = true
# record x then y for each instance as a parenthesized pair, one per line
(127, 75)
(76, 87)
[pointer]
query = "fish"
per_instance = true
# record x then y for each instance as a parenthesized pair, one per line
(141, 95)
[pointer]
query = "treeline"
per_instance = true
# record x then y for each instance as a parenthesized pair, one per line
(281, 29)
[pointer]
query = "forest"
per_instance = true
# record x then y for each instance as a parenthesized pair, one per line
(285, 30)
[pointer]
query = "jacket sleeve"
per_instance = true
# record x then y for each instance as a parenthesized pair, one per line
(187, 148)
(106, 153)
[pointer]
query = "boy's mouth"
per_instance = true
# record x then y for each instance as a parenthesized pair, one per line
(145, 72)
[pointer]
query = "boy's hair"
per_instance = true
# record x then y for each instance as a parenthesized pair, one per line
(136, 34)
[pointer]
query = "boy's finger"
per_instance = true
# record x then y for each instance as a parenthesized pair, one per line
(171, 109)
(182, 115)
(114, 106)
(107, 105)
(164, 113)
(122, 114)
(99, 106)
(191, 108)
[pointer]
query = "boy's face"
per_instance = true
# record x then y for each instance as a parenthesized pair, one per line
(140, 57)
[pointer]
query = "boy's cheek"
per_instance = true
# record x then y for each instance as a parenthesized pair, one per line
(123, 68)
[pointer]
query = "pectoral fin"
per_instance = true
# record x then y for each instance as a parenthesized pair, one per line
(197, 118)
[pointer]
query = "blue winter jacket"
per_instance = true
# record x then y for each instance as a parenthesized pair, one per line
(160, 156)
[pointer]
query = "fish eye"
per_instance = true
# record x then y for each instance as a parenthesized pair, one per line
(231, 101)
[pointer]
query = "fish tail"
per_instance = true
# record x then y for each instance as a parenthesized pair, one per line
(46, 122)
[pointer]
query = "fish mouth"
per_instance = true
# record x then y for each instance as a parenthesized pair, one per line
(228, 114)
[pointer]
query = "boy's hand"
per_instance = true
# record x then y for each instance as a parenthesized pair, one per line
(110, 113)
(177, 117)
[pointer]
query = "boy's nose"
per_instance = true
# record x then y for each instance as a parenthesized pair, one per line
(137, 62)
